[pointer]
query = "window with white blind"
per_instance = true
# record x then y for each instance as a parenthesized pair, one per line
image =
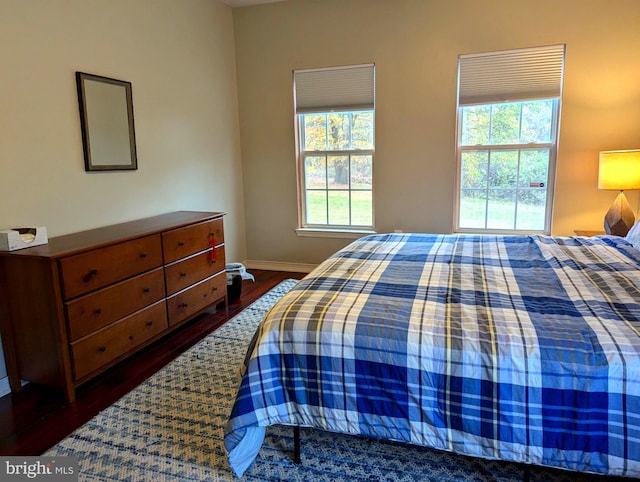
(335, 119)
(508, 115)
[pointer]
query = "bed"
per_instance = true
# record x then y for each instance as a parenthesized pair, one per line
(519, 348)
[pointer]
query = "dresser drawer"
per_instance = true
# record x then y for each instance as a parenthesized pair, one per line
(188, 271)
(188, 302)
(179, 243)
(102, 347)
(89, 271)
(100, 308)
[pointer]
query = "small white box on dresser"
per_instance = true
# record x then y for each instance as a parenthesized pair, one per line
(19, 238)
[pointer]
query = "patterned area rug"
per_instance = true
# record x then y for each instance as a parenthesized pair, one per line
(170, 428)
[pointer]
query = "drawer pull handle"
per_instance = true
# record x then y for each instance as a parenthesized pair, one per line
(212, 245)
(149, 323)
(87, 277)
(146, 290)
(180, 243)
(183, 275)
(102, 349)
(98, 311)
(214, 289)
(143, 255)
(183, 305)
(130, 337)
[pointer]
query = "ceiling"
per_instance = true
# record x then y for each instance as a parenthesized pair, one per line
(247, 3)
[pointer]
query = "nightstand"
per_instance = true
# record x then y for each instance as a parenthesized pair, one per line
(586, 232)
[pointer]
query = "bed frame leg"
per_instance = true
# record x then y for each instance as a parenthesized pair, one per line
(296, 444)
(526, 474)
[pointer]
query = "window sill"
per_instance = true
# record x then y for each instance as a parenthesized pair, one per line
(500, 232)
(333, 233)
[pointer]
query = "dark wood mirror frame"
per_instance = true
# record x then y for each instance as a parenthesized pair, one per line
(106, 120)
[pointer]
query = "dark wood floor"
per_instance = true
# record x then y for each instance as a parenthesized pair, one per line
(38, 417)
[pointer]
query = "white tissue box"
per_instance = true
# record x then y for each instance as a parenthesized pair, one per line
(19, 238)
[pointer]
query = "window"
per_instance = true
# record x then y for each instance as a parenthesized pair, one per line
(335, 120)
(508, 111)
(505, 154)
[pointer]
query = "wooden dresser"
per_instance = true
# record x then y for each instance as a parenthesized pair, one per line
(74, 307)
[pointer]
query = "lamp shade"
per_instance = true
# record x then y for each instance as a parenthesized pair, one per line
(619, 170)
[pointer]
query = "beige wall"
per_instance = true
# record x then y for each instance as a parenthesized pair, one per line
(179, 57)
(415, 45)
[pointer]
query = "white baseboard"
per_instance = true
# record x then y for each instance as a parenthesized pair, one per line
(5, 389)
(279, 266)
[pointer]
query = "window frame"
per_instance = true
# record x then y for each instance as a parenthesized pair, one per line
(330, 230)
(552, 145)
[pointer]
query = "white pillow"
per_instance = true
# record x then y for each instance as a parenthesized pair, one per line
(633, 236)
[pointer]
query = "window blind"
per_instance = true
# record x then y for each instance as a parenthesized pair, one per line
(334, 89)
(511, 75)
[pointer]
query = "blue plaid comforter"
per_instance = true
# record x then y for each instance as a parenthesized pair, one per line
(521, 348)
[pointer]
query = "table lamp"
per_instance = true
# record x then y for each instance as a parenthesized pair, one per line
(619, 170)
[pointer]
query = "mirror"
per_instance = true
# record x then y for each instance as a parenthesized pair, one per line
(106, 118)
